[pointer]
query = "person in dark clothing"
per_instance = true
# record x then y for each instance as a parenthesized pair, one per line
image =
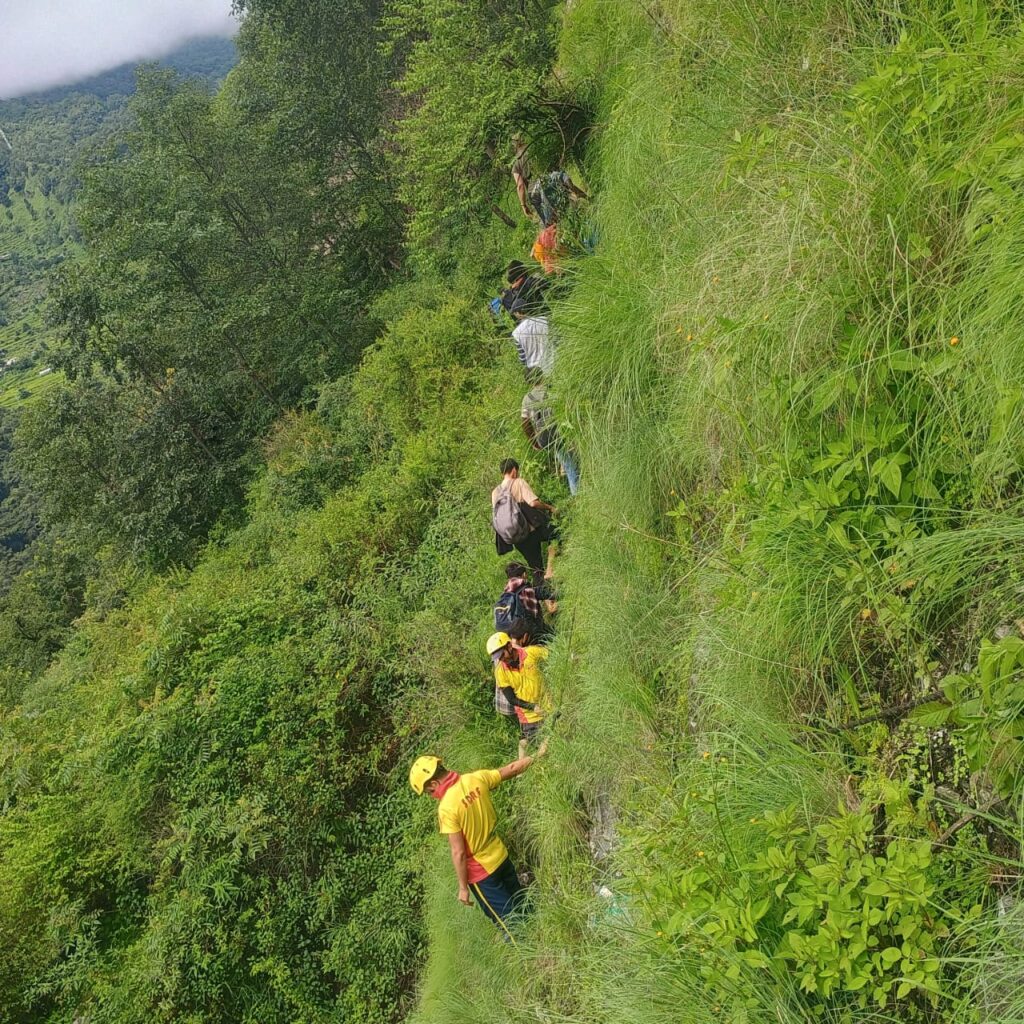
(518, 611)
(526, 293)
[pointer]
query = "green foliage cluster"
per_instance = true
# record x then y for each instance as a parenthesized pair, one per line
(203, 813)
(203, 802)
(474, 73)
(984, 711)
(857, 925)
(227, 272)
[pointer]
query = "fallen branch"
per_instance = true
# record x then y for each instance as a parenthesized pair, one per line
(894, 711)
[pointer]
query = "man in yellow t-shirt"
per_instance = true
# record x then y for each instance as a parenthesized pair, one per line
(517, 674)
(466, 815)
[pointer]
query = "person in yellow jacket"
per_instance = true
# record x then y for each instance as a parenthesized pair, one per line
(466, 815)
(517, 675)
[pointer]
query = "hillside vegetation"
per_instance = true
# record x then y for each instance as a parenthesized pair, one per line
(785, 784)
(50, 137)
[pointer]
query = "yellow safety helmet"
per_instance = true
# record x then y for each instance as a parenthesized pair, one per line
(497, 643)
(422, 770)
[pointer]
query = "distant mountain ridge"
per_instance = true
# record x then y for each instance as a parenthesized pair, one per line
(209, 57)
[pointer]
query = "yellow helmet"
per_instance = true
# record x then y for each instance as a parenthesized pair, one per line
(421, 771)
(497, 642)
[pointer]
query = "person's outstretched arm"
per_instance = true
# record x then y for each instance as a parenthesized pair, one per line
(521, 193)
(518, 766)
(457, 843)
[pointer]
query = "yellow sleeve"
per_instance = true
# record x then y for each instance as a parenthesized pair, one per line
(491, 777)
(447, 823)
(538, 653)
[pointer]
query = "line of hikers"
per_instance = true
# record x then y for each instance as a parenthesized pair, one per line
(524, 523)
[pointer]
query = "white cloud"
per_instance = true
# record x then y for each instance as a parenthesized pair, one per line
(49, 42)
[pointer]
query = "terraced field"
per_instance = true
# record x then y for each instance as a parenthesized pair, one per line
(36, 235)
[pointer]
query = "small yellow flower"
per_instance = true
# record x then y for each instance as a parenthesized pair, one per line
(954, 341)
(689, 337)
(723, 760)
(706, 754)
(660, 934)
(753, 821)
(694, 795)
(866, 613)
(715, 280)
(700, 853)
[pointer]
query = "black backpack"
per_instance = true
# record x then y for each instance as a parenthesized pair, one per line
(509, 616)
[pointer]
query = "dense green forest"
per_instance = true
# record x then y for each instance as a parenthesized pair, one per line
(785, 784)
(49, 138)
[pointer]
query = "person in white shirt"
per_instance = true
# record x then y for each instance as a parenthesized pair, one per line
(535, 345)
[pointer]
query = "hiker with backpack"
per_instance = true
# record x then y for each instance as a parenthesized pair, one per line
(466, 815)
(525, 294)
(551, 196)
(539, 425)
(522, 521)
(547, 196)
(518, 611)
(519, 686)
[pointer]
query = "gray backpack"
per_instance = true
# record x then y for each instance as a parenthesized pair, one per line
(507, 518)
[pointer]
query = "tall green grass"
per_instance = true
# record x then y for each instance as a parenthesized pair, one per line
(799, 207)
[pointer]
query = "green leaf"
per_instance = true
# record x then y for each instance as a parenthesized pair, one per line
(904, 360)
(889, 472)
(931, 715)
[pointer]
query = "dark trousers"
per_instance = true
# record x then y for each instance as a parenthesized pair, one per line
(500, 893)
(530, 547)
(531, 551)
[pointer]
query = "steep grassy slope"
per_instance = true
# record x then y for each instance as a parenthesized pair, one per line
(794, 372)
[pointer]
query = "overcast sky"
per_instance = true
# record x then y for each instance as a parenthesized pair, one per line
(49, 42)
